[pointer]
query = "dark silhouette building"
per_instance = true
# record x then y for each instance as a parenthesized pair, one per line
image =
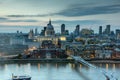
(108, 29)
(77, 30)
(100, 30)
(36, 31)
(31, 34)
(117, 33)
(62, 29)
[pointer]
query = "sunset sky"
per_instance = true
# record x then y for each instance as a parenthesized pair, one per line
(27, 14)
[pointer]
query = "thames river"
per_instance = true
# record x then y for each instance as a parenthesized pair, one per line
(57, 71)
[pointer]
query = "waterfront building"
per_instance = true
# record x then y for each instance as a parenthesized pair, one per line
(49, 53)
(103, 54)
(48, 50)
(116, 53)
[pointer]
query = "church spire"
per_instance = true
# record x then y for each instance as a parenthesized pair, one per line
(50, 21)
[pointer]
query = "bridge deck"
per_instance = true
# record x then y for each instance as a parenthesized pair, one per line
(108, 75)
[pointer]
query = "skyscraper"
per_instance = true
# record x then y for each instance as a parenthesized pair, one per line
(62, 29)
(100, 30)
(36, 32)
(31, 34)
(77, 30)
(117, 33)
(108, 29)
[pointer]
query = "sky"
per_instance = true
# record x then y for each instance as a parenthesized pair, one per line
(24, 15)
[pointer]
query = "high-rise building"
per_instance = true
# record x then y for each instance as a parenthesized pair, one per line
(100, 30)
(62, 29)
(117, 33)
(31, 34)
(77, 30)
(108, 29)
(66, 32)
(36, 32)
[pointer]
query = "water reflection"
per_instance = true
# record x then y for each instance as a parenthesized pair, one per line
(77, 68)
(114, 66)
(56, 71)
(107, 66)
(39, 66)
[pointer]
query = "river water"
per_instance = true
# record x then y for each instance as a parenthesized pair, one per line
(57, 71)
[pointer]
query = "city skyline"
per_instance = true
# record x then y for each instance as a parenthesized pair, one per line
(26, 14)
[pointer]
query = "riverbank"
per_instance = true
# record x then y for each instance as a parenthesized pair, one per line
(116, 61)
(35, 60)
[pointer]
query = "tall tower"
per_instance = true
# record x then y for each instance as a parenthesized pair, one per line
(50, 21)
(108, 29)
(31, 34)
(100, 30)
(36, 32)
(117, 33)
(63, 29)
(77, 30)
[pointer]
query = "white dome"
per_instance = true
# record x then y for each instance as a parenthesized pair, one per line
(49, 27)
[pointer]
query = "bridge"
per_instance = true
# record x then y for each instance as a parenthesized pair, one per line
(109, 76)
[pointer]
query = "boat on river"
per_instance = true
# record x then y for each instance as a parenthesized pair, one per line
(21, 77)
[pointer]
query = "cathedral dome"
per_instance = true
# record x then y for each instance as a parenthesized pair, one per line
(49, 26)
(49, 29)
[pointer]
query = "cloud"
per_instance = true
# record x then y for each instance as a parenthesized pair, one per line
(75, 10)
(75, 22)
(38, 15)
(3, 18)
(22, 21)
(83, 10)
